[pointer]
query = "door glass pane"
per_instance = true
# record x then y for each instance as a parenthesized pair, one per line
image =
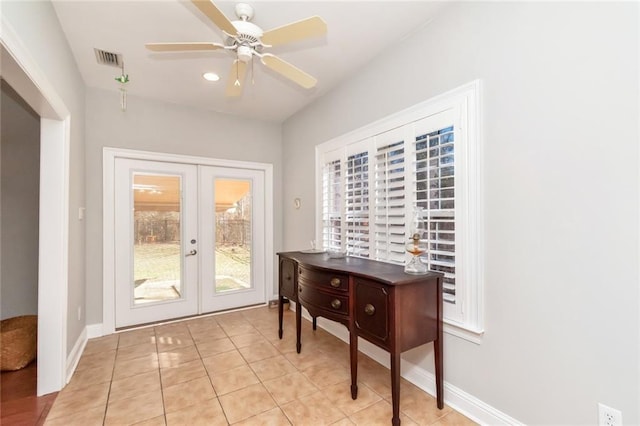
(233, 234)
(157, 257)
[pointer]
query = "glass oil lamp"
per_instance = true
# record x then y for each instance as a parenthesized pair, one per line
(415, 247)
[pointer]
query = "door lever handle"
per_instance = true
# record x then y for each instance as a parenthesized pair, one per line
(191, 253)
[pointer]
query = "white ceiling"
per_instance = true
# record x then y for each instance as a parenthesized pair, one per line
(357, 32)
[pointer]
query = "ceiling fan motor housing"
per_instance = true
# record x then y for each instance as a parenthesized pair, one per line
(248, 37)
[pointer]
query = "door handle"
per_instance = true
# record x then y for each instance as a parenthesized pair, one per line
(191, 253)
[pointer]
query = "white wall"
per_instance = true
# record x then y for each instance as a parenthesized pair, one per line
(36, 24)
(20, 135)
(160, 127)
(560, 107)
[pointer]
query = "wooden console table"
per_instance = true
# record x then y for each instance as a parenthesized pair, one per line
(375, 300)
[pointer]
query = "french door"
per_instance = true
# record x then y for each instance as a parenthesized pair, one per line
(232, 258)
(188, 240)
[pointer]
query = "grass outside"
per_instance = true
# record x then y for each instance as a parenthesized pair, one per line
(160, 263)
(156, 262)
(233, 268)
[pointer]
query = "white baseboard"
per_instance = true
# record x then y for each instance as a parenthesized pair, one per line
(456, 398)
(75, 354)
(89, 332)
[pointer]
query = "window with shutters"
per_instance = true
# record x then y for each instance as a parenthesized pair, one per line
(389, 203)
(356, 204)
(331, 204)
(372, 180)
(434, 180)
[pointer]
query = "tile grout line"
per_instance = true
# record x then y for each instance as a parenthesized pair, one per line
(349, 416)
(239, 353)
(266, 388)
(298, 370)
(237, 348)
(207, 371)
(164, 410)
(113, 372)
(259, 379)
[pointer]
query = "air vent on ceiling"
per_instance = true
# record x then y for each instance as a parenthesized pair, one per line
(108, 58)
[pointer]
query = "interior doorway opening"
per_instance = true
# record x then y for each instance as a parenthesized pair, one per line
(19, 217)
(23, 74)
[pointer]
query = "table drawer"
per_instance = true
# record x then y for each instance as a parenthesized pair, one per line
(324, 279)
(311, 295)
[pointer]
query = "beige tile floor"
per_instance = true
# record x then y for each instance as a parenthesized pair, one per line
(233, 369)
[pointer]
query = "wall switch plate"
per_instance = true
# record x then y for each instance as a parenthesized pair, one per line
(608, 416)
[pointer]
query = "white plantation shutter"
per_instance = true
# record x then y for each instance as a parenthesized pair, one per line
(356, 201)
(332, 201)
(434, 190)
(427, 156)
(389, 207)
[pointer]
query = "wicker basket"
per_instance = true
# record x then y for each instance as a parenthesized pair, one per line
(18, 342)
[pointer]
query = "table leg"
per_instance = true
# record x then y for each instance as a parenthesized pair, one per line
(395, 388)
(315, 325)
(437, 346)
(280, 313)
(298, 326)
(353, 353)
(437, 349)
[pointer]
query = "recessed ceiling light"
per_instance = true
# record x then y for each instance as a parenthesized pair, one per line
(211, 76)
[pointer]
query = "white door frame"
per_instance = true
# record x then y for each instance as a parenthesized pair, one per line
(108, 241)
(27, 79)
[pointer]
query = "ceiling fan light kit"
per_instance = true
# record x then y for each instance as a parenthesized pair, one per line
(247, 40)
(245, 53)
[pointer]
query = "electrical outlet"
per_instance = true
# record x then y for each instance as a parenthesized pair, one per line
(608, 416)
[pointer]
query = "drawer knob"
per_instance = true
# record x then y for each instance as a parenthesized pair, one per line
(335, 282)
(369, 309)
(335, 304)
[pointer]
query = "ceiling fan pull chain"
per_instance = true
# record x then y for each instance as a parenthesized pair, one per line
(237, 64)
(252, 80)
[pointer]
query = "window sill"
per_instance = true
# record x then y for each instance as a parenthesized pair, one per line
(464, 332)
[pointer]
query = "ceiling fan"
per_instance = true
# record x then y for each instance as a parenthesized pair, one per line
(246, 40)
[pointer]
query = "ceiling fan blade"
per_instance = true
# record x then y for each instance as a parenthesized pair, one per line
(235, 83)
(289, 71)
(306, 28)
(179, 47)
(215, 15)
